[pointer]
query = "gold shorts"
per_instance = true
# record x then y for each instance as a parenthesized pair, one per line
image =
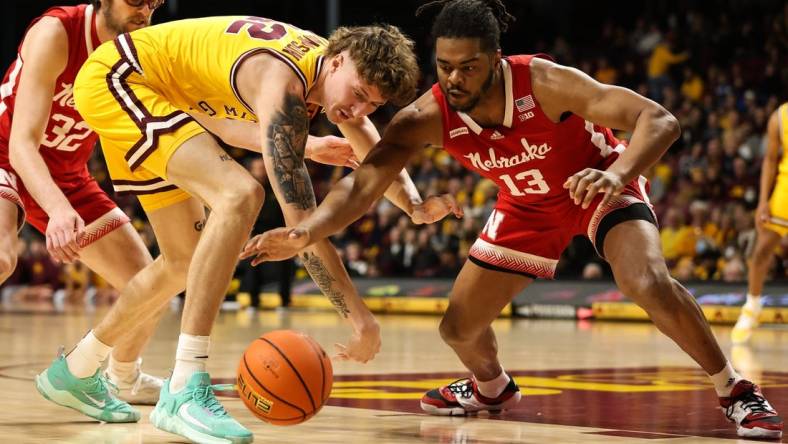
(778, 206)
(138, 127)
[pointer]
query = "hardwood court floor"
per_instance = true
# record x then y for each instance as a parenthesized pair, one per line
(583, 382)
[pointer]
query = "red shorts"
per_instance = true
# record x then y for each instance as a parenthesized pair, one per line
(9, 190)
(99, 212)
(529, 239)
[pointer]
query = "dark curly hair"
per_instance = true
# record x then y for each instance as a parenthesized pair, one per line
(481, 19)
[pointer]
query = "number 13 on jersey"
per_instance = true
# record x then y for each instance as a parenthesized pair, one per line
(534, 183)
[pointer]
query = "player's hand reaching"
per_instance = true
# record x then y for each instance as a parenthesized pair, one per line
(331, 150)
(584, 186)
(435, 208)
(362, 346)
(275, 245)
(64, 230)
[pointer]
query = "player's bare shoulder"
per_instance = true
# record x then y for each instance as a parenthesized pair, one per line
(262, 72)
(418, 123)
(551, 84)
(47, 37)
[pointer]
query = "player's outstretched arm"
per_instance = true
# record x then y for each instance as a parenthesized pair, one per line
(45, 56)
(561, 89)
(363, 135)
(416, 126)
(284, 124)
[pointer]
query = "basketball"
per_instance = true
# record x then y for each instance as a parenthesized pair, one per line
(284, 377)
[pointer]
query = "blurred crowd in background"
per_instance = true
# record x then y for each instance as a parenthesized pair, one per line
(720, 73)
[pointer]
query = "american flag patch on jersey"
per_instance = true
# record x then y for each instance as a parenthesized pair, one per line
(525, 103)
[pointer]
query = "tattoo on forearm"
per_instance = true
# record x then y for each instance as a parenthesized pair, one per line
(199, 225)
(225, 157)
(286, 143)
(325, 281)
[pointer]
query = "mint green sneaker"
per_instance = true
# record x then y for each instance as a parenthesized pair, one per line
(91, 396)
(194, 413)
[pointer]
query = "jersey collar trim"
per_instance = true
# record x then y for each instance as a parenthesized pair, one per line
(508, 90)
(91, 34)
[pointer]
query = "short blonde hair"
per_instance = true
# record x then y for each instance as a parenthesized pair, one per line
(383, 56)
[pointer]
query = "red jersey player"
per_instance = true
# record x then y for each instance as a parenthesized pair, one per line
(44, 149)
(540, 131)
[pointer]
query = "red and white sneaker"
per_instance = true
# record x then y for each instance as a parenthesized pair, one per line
(462, 397)
(752, 413)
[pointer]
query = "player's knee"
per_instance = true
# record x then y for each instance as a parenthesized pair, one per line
(452, 332)
(177, 269)
(7, 264)
(652, 289)
(245, 199)
(761, 254)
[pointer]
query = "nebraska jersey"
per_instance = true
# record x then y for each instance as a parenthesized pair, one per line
(529, 157)
(68, 141)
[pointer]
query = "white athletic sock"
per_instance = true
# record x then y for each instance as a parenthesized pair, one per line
(725, 380)
(753, 305)
(191, 357)
(754, 302)
(493, 387)
(87, 356)
(123, 372)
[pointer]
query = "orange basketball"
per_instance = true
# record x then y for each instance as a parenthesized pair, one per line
(284, 377)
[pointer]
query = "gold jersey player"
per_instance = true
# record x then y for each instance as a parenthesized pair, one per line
(242, 77)
(771, 221)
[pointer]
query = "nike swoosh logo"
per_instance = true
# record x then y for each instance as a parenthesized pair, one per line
(184, 413)
(99, 404)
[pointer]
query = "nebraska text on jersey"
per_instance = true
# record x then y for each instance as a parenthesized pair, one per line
(530, 152)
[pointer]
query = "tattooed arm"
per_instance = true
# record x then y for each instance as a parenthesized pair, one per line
(243, 134)
(284, 124)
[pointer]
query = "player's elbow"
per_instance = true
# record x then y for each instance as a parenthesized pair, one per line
(668, 124)
(673, 127)
(20, 145)
(15, 157)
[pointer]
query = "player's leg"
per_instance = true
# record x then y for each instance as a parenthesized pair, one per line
(118, 256)
(75, 381)
(8, 237)
(634, 252)
(187, 406)
(633, 249)
(515, 246)
(149, 291)
(760, 261)
(235, 199)
(476, 300)
(11, 219)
